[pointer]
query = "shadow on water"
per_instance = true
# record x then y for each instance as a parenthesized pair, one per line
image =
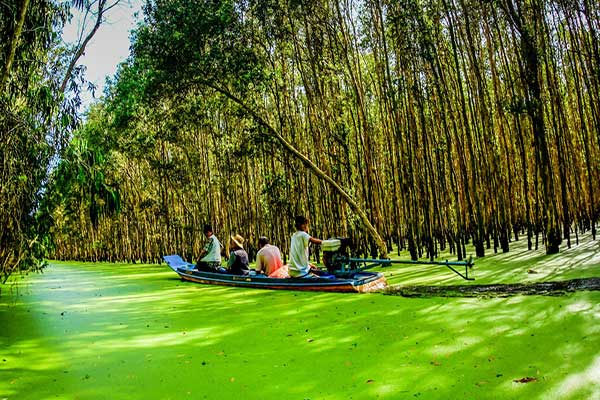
(136, 332)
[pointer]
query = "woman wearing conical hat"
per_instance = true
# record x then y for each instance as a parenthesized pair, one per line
(238, 258)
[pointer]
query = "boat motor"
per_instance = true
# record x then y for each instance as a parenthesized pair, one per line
(336, 253)
(336, 258)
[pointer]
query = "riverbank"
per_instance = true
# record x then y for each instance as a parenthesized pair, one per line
(518, 266)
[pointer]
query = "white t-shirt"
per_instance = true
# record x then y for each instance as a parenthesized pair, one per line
(213, 248)
(299, 254)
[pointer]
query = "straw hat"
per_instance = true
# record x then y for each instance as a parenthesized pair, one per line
(239, 240)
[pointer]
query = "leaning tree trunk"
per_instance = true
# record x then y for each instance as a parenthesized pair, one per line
(381, 246)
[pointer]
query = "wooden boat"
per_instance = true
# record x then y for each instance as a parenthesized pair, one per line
(362, 281)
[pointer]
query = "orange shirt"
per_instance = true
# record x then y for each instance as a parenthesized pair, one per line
(268, 259)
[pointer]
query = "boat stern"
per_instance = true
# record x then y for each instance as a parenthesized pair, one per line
(372, 284)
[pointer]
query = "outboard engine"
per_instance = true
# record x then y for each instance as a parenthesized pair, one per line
(335, 253)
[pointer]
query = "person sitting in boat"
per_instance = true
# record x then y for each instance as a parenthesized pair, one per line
(238, 258)
(268, 259)
(210, 256)
(299, 266)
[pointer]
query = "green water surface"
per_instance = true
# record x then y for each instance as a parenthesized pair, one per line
(117, 331)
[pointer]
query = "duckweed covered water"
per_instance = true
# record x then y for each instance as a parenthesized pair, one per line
(105, 331)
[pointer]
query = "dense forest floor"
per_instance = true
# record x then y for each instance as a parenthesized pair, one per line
(122, 331)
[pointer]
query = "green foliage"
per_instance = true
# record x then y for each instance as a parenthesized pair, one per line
(35, 116)
(185, 43)
(26, 103)
(417, 108)
(82, 179)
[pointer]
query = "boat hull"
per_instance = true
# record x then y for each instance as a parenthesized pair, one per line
(361, 282)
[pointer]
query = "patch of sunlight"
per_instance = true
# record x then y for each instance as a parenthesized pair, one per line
(575, 384)
(291, 312)
(113, 303)
(445, 349)
(568, 349)
(394, 312)
(515, 300)
(98, 335)
(432, 310)
(332, 343)
(593, 330)
(500, 330)
(460, 343)
(517, 332)
(119, 327)
(580, 306)
(347, 339)
(121, 300)
(26, 356)
(50, 304)
(469, 340)
(203, 336)
(386, 390)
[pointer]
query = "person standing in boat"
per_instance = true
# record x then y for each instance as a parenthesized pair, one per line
(299, 266)
(238, 258)
(268, 258)
(210, 256)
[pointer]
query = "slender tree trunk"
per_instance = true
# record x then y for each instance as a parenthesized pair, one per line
(12, 49)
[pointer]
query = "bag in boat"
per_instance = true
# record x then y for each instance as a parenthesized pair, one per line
(281, 272)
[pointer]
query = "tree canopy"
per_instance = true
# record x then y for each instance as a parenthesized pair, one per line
(40, 85)
(422, 124)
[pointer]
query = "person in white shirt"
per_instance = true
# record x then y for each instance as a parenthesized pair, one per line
(268, 258)
(299, 266)
(210, 256)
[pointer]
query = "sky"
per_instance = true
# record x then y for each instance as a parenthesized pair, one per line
(108, 47)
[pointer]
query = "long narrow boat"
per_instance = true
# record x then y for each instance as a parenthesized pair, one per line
(362, 281)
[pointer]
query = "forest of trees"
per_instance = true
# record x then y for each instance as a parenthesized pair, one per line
(40, 86)
(426, 124)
